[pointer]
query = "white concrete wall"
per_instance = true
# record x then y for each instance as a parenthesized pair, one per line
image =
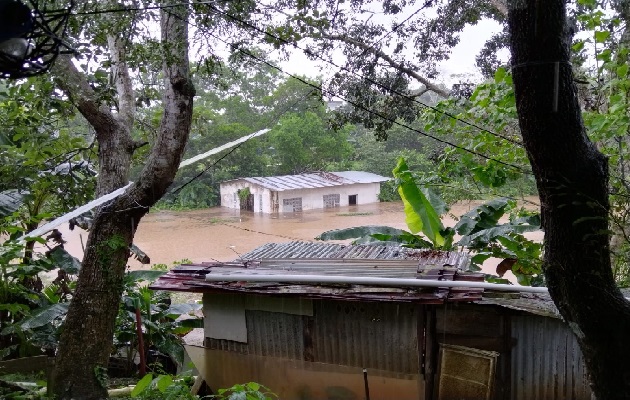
(314, 198)
(230, 199)
(311, 198)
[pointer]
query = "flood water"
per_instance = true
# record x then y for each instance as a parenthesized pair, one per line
(222, 234)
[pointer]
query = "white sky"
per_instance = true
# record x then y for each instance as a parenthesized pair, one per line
(462, 61)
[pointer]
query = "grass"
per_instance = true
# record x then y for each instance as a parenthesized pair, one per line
(353, 214)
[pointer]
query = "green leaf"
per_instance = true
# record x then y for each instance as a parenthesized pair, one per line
(499, 75)
(163, 382)
(45, 315)
(601, 36)
(577, 46)
(622, 70)
(145, 275)
(142, 385)
(482, 217)
(359, 232)
(420, 214)
(65, 260)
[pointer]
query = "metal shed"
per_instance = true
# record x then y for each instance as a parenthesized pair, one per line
(349, 341)
(294, 193)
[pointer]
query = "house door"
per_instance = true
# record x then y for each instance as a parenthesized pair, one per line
(352, 200)
(248, 204)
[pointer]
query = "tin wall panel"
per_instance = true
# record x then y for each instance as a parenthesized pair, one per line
(546, 361)
(272, 334)
(366, 335)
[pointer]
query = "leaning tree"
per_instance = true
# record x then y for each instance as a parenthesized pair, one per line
(572, 179)
(85, 342)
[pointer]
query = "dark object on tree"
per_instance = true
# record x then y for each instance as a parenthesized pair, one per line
(56, 237)
(30, 38)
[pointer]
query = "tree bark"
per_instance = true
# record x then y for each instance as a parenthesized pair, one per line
(86, 339)
(572, 180)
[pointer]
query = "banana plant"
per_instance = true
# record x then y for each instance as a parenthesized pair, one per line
(480, 230)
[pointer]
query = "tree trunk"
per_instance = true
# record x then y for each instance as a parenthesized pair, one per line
(572, 180)
(86, 339)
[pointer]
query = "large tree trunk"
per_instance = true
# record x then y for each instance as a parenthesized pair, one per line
(572, 179)
(86, 339)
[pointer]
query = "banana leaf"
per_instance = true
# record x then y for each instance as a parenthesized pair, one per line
(65, 260)
(11, 200)
(45, 315)
(359, 232)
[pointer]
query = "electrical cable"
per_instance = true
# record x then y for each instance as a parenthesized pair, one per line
(307, 52)
(360, 106)
(147, 8)
(372, 81)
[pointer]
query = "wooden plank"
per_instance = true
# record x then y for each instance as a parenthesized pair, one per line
(469, 321)
(476, 342)
(25, 365)
(431, 351)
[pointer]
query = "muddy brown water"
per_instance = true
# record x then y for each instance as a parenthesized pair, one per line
(222, 234)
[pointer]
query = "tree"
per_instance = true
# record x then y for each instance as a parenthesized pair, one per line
(574, 193)
(304, 143)
(86, 339)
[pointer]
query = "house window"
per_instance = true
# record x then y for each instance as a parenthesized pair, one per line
(331, 200)
(292, 205)
(260, 206)
(352, 200)
(466, 373)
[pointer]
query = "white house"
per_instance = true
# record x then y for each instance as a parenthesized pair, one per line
(291, 193)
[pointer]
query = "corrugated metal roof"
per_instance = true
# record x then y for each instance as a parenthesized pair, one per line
(353, 260)
(334, 259)
(328, 251)
(537, 304)
(313, 180)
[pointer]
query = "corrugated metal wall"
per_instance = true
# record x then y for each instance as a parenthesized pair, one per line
(546, 361)
(358, 334)
(271, 334)
(366, 335)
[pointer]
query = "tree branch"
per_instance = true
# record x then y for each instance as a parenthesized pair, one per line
(122, 80)
(179, 91)
(393, 63)
(75, 85)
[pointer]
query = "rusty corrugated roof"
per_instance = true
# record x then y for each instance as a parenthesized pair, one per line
(328, 251)
(336, 260)
(313, 180)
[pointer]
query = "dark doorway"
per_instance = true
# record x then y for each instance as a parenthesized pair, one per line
(352, 200)
(247, 203)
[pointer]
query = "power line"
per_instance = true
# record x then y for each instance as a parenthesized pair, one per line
(147, 8)
(372, 81)
(355, 104)
(277, 118)
(295, 45)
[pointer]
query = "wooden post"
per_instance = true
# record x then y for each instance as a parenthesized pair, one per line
(143, 362)
(431, 353)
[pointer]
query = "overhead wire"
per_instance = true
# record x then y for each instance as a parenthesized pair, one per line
(358, 105)
(284, 111)
(306, 51)
(147, 8)
(370, 80)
